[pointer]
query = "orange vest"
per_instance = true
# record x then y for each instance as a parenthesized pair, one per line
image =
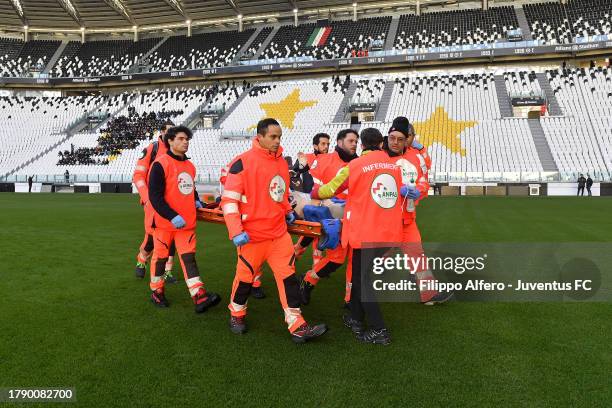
(373, 212)
(180, 191)
(325, 168)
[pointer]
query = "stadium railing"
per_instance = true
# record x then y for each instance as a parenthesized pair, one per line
(210, 174)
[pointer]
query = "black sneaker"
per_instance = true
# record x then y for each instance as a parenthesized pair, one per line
(140, 271)
(169, 277)
(438, 299)
(305, 290)
(159, 298)
(204, 300)
(305, 333)
(238, 325)
(375, 336)
(355, 325)
(258, 293)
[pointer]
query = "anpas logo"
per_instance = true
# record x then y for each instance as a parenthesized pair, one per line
(409, 172)
(185, 183)
(277, 188)
(384, 190)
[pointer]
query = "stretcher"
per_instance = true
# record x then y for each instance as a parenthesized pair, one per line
(299, 227)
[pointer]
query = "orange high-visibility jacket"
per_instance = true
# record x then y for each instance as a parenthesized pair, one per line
(256, 194)
(325, 168)
(373, 212)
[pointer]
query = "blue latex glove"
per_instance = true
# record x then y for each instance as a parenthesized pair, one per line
(241, 239)
(178, 222)
(199, 204)
(416, 144)
(338, 201)
(410, 192)
(290, 218)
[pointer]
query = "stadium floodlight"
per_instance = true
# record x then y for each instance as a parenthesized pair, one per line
(82, 28)
(187, 21)
(25, 27)
(239, 16)
(354, 4)
(134, 27)
(295, 11)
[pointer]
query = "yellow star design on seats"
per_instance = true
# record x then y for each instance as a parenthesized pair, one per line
(442, 129)
(285, 110)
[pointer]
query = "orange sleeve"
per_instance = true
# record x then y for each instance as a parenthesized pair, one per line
(230, 202)
(141, 173)
(426, 156)
(422, 183)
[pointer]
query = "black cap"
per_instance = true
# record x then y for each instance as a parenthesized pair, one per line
(402, 125)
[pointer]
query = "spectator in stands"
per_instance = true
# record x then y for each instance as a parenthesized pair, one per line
(67, 176)
(589, 184)
(581, 183)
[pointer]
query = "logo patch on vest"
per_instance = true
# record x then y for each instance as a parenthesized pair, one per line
(409, 172)
(384, 190)
(185, 183)
(277, 188)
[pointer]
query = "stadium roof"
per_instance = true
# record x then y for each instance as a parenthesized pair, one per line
(124, 14)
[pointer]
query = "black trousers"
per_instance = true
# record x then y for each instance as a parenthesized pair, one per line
(363, 297)
(580, 190)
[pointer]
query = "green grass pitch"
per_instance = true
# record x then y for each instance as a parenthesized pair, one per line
(73, 315)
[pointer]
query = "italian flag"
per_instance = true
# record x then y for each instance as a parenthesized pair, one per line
(318, 36)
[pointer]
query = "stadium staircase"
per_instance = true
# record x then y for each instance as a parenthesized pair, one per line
(56, 56)
(523, 24)
(384, 102)
(541, 145)
(69, 132)
(343, 108)
(392, 33)
(554, 109)
(134, 68)
(231, 109)
(246, 46)
(505, 106)
(266, 42)
(41, 154)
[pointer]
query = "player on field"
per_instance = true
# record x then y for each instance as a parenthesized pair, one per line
(175, 200)
(256, 208)
(405, 151)
(140, 179)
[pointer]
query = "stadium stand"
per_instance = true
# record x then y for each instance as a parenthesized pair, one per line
(459, 27)
(97, 58)
(557, 23)
(18, 58)
(203, 50)
(455, 113)
(338, 39)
